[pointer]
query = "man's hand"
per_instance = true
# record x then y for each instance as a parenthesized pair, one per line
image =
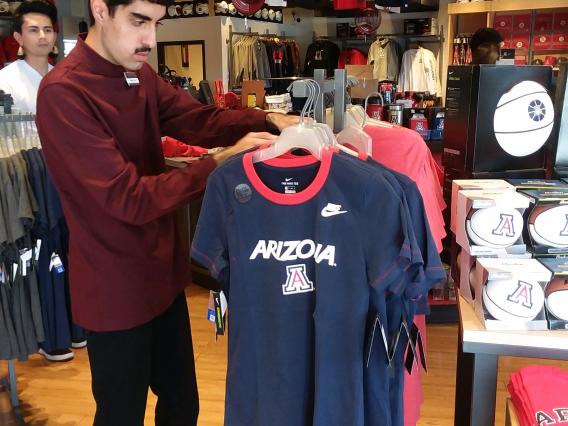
(250, 140)
(281, 121)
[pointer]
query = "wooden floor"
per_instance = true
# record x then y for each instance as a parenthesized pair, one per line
(59, 394)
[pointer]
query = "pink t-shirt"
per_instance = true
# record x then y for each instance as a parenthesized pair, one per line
(404, 151)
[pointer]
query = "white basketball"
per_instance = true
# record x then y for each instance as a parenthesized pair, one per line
(495, 227)
(557, 298)
(513, 299)
(549, 226)
(523, 119)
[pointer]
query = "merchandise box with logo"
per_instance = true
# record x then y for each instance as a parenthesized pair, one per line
(556, 294)
(546, 221)
(498, 118)
(470, 185)
(509, 293)
(467, 269)
(490, 222)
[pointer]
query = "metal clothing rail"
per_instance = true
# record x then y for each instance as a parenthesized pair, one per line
(10, 384)
(229, 41)
(427, 38)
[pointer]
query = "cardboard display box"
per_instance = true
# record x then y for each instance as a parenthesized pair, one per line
(524, 270)
(467, 269)
(470, 200)
(557, 225)
(559, 269)
(472, 184)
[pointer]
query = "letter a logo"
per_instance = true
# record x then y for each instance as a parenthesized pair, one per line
(297, 281)
(522, 295)
(564, 232)
(505, 227)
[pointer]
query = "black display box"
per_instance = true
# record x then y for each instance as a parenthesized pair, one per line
(561, 125)
(472, 96)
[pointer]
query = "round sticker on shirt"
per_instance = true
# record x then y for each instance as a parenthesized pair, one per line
(243, 193)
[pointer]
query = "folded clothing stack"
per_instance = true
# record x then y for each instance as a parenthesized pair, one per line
(174, 148)
(540, 395)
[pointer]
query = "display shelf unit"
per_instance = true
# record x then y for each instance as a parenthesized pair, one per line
(464, 18)
(478, 354)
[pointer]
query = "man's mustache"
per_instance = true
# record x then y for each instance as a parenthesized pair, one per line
(143, 50)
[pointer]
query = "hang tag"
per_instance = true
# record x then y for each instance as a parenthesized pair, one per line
(371, 337)
(220, 307)
(131, 79)
(37, 249)
(411, 357)
(211, 308)
(2, 274)
(418, 339)
(56, 263)
(14, 271)
(25, 260)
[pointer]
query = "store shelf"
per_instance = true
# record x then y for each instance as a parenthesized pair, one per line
(441, 302)
(372, 37)
(550, 51)
(503, 6)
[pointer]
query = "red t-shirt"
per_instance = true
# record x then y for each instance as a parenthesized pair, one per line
(540, 395)
(101, 142)
(351, 57)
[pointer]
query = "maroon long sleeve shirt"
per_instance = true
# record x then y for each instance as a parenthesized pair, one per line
(101, 142)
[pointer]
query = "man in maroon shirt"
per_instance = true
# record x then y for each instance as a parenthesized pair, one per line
(100, 134)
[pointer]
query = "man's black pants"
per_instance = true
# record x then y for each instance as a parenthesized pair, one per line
(159, 355)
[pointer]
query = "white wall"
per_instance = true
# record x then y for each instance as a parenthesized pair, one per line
(207, 29)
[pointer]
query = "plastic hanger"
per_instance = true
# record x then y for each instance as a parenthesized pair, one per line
(303, 136)
(353, 133)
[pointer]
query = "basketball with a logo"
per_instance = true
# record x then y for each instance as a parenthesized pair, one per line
(513, 299)
(523, 119)
(495, 227)
(548, 225)
(557, 298)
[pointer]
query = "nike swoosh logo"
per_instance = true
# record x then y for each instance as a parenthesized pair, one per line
(329, 213)
(288, 179)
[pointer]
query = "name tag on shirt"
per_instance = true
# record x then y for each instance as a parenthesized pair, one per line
(131, 78)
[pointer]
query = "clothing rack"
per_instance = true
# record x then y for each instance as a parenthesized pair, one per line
(249, 32)
(426, 38)
(409, 38)
(10, 384)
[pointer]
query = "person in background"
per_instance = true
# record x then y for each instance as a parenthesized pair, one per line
(101, 113)
(485, 46)
(34, 30)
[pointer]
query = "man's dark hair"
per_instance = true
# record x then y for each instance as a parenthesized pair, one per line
(113, 4)
(34, 6)
(485, 36)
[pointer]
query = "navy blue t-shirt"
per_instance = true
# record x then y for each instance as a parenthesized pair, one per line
(300, 246)
(399, 303)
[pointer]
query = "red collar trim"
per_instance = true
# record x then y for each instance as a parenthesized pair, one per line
(287, 161)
